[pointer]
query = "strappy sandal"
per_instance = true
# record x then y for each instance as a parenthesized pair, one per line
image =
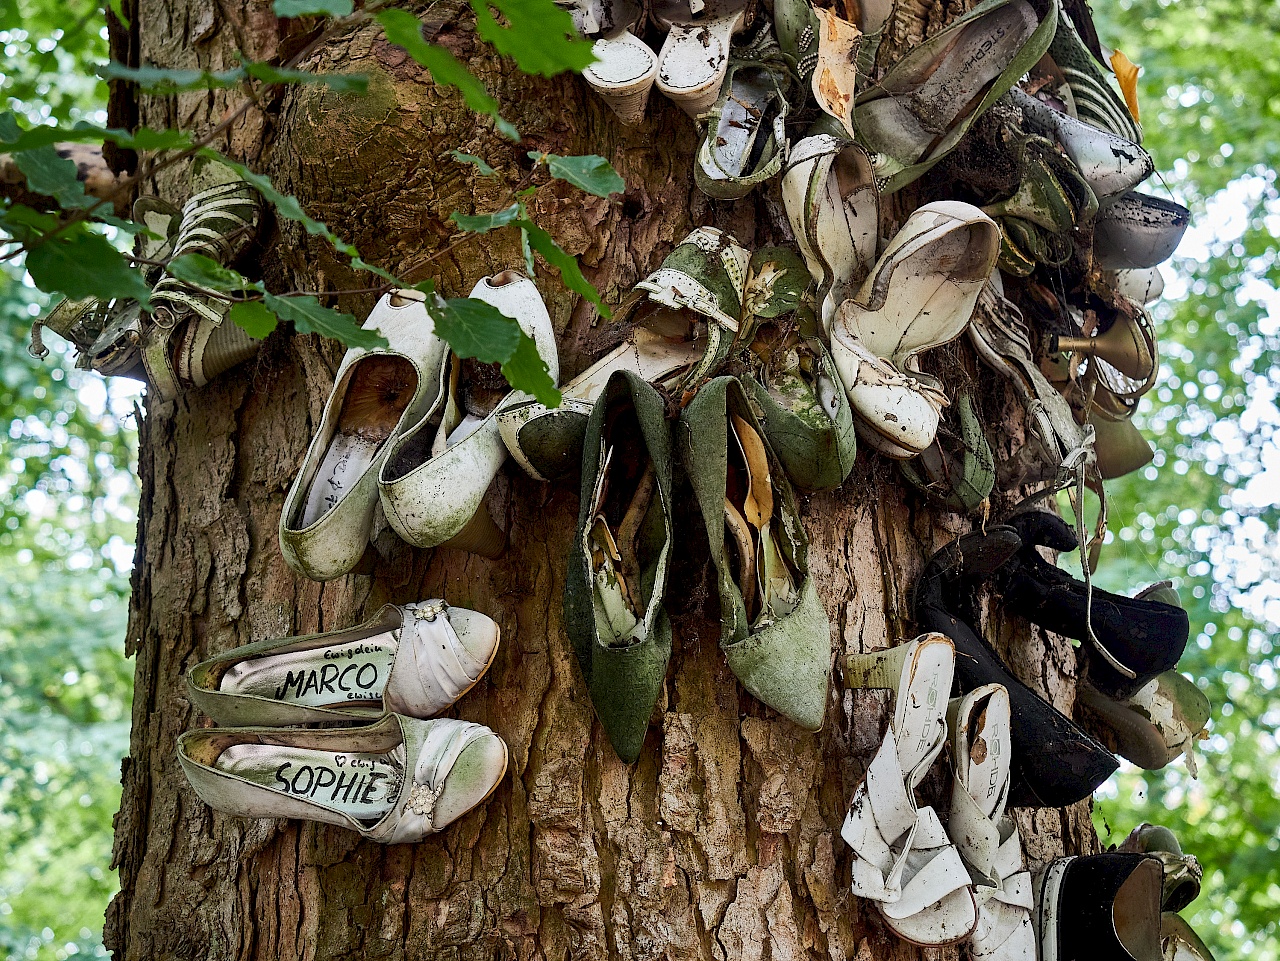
(986, 837)
(395, 781)
(926, 102)
(1054, 763)
(920, 295)
(744, 141)
(774, 631)
(685, 317)
(412, 659)
(1160, 722)
(1102, 907)
(796, 27)
(625, 67)
(695, 56)
(328, 512)
(958, 470)
(434, 478)
(187, 343)
(903, 860)
(829, 193)
(617, 571)
(1128, 641)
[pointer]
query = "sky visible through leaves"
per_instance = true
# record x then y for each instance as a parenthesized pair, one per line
(1205, 514)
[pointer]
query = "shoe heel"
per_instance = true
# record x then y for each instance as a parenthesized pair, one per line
(480, 536)
(883, 669)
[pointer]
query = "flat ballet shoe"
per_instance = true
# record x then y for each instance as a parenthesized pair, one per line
(395, 781)
(411, 659)
(329, 509)
(433, 481)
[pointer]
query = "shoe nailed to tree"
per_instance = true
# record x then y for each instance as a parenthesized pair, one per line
(394, 781)
(329, 509)
(694, 58)
(412, 659)
(617, 570)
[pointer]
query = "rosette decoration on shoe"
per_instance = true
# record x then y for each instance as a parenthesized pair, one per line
(903, 860)
(774, 631)
(412, 659)
(1054, 763)
(434, 478)
(617, 571)
(394, 781)
(684, 318)
(329, 509)
(920, 295)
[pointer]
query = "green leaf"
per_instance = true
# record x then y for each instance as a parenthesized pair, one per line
(158, 78)
(539, 36)
(405, 30)
(81, 264)
(253, 317)
(570, 272)
(55, 176)
(144, 138)
(312, 8)
(477, 329)
(309, 316)
(337, 82)
(590, 173)
(483, 223)
(465, 158)
(527, 371)
(117, 8)
(201, 271)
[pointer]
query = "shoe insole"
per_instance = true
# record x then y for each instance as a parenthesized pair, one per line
(379, 389)
(987, 766)
(740, 136)
(1135, 912)
(363, 786)
(348, 674)
(921, 706)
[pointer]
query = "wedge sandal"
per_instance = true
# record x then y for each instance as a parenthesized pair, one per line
(412, 659)
(395, 781)
(617, 570)
(903, 860)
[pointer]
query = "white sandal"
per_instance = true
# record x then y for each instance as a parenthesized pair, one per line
(903, 859)
(395, 781)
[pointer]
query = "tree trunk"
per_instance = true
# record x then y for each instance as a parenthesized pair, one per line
(722, 842)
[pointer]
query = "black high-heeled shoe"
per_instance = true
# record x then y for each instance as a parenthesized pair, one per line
(1104, 907)
(1054, 762)
(1135, 638)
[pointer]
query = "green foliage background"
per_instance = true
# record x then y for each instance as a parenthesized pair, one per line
(1204, 515)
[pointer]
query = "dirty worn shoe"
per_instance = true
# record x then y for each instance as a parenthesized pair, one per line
(1102, 907)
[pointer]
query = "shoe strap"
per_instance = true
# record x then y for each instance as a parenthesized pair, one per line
(880, 826)
(938, 872)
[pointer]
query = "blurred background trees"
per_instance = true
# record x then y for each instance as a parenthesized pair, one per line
(1204, 514)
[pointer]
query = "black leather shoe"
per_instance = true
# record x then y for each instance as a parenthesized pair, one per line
(1137, 638)
(1054, 762)
(1103, 907)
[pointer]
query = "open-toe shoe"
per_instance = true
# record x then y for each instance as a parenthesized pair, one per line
(413, 659)
(1128, 641)
(920, 295)
(684, 318)
(394, 781)
(774, 631)
(1161, 721)
(1102, 907)
(188, 343)
(617, 571)
(694, 58)
(434, 479)
(329, 509)
(744, 140)
(926, 101)
(833, 206)
(624, 67)
(1054, 763)
(986, 837)
(902, 858)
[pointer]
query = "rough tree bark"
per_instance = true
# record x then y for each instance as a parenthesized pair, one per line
(722, 841)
